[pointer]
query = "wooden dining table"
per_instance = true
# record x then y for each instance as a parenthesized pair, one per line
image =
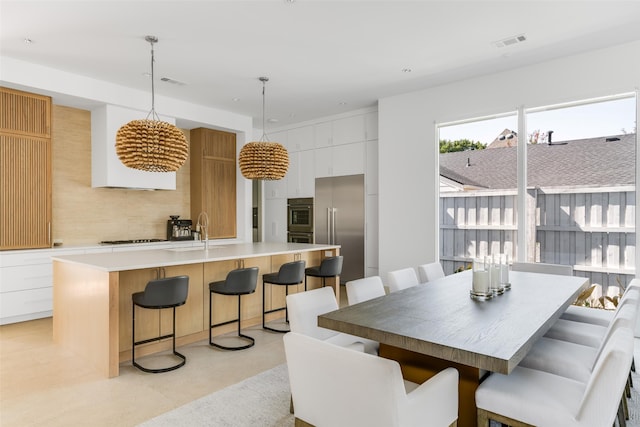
(436, 325)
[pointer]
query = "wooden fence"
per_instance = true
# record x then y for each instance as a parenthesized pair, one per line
(592, 229)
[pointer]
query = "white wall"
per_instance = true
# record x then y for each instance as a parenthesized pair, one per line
(408, 167)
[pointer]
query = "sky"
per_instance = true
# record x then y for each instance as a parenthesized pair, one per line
(582, 121)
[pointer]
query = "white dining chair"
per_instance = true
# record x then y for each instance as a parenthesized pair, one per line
(597, 316)
(402, 279)
(603, 317)
(539, 267)
(586, 333)
(430, 272)
(573, 360)
(364, 289)
(539, 398)
(332, 386)
(304, 309)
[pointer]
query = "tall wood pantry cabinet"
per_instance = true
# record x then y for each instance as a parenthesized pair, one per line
(25, 170)
(213, 180)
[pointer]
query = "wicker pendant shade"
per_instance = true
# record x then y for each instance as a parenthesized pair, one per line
(151, 145)
(262, 159)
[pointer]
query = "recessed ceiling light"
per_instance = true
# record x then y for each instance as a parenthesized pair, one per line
(236, 99)
(342, 103)
(406, 70)
(27, 40)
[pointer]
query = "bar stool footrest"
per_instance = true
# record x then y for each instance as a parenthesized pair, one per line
(251, 341)
(160, 370)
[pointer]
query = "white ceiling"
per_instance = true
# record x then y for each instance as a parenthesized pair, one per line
(322, 57)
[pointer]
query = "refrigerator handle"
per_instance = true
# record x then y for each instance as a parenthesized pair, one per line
(329, 226)
(333, 226)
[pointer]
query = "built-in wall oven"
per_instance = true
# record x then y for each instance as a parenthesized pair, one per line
(300, 220)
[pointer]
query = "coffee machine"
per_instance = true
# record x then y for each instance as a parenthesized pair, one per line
(179, 229)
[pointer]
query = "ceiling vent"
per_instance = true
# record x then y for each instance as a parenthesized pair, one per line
(172, 81)
(510, 41)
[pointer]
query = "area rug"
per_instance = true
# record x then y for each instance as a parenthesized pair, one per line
(263, 401)
(260, 401)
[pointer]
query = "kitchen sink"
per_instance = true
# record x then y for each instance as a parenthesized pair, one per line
(195, 248)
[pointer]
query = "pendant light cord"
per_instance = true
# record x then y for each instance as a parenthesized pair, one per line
(152, 113)
(264, 81)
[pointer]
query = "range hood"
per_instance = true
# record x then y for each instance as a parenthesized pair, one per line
(106, 168)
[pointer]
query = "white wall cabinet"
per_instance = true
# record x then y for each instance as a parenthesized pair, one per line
(371, 126)
(301, 176)
(275, 224)
(300, 139)
(322, 135)
(348, 130)
(340, 160)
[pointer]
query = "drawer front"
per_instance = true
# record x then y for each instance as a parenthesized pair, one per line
(26, 302)
(26, 277)
(31, 257)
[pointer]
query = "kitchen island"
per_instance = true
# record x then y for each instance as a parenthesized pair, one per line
(92, 306)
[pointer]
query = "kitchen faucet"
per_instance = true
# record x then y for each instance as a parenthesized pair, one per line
(203, 225)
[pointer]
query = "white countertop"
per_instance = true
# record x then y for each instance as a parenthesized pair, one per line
(133, 260)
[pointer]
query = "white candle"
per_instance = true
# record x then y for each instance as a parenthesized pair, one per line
(504, 273)
(481, 281)
(495, 276)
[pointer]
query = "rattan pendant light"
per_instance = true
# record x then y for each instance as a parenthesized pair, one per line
(151, 145)
(263, 160)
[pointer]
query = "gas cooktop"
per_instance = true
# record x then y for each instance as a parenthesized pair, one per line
(124, 242)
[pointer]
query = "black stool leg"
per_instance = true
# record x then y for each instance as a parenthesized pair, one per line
(264, 311)
(172, 335)
(133, 335)
(251, 340)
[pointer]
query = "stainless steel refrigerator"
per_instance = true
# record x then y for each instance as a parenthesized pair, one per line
(339, 220)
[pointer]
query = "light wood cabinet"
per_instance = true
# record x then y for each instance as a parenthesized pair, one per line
(213, 180)
(25, 170)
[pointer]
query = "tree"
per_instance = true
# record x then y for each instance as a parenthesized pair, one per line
(447, 146)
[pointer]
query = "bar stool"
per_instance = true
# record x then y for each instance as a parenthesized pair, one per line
(239, 282)
(290, 273)
(329, 267)
(168, 292)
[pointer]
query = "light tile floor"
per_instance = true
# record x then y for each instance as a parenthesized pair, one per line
(43, 385)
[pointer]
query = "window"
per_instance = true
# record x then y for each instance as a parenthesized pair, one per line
(579, 198)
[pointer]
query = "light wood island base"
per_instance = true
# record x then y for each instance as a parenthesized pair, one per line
(93, 311)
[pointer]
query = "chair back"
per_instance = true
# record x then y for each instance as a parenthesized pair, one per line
(360, 290)
(601, 397)
(304, 309)
(167, 292)
(538, 267)
(335, 386)
(625, 317)
(243, 280)
(331, 266)
(430, 272)
(402, 279)
(291, 272)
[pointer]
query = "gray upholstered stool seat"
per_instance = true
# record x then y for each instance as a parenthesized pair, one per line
(290, 273)
(238, 282)
(329, 267)
(169, 292)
